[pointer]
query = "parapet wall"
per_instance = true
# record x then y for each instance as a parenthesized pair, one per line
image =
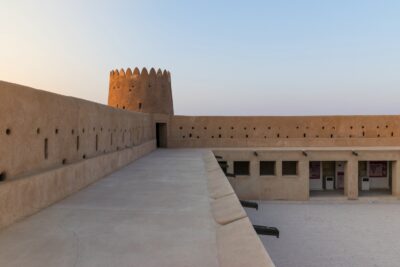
(41, 130)
(234, 229)
(52, 146)
(148, 92)
(282, 131)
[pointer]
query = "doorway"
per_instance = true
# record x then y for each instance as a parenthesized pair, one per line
(374, 178)
(326, 178)
(161, 134)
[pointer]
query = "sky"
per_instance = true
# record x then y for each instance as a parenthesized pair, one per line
(297, 57)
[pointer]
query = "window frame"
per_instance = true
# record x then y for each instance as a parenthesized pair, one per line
(296, 170)
(241, 174)
(268, 162)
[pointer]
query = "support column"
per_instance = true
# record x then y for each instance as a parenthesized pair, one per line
(255, 184)
(351, 179)
(254, 167)
(396, 178)
(304, 172)
(278, 168)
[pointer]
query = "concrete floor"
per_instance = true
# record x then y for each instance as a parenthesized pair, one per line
(346, 234)
(154, 212)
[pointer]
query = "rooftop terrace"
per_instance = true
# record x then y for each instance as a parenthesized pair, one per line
(157, 211)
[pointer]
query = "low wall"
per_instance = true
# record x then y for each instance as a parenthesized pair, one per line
(25, 196)
(237, 242)
(284, 131)
(52, 146)
(41, 130)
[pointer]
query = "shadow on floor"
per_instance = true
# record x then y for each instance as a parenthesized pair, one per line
(375, 193)
(327, 193)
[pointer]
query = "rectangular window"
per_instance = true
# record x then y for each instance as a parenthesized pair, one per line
(223, 165)
(289, 167)
(241, 167)
(267, 167)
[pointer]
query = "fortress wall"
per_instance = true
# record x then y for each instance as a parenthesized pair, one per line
(71, 126)
(53, 145)
(282, 131)
(22, 197)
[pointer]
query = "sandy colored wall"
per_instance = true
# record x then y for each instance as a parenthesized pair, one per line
(276, 187)
(22, 197)
(28, 117)
(313, 131)
(52, 146)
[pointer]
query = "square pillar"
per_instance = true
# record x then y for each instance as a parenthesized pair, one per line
(304, 175)
(254, 167)
(351, 179)
(255, 181)
(395, 178)
(278, 168)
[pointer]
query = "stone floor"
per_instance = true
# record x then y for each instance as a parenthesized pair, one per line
(154, 212)
(346, 234)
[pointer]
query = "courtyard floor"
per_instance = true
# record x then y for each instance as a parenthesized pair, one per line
(330, 234)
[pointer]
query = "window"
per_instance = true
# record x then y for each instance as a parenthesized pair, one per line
(267, 167)
(289, 167)
(241, 167)
(223, 165)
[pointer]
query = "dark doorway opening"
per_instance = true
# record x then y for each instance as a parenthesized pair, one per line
(161, 134)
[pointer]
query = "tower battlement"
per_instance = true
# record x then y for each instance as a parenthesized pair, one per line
(141, 91)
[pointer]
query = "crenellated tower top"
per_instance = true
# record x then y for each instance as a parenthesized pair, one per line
(141, 91)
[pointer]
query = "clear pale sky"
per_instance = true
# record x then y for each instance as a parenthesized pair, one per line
(226, 57)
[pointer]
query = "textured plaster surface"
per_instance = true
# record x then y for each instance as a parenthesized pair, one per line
(346, 233)
(284, 131)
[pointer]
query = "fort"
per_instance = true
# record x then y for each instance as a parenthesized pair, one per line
(52, 146)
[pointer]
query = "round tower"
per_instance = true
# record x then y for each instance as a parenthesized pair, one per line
(148, 92)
